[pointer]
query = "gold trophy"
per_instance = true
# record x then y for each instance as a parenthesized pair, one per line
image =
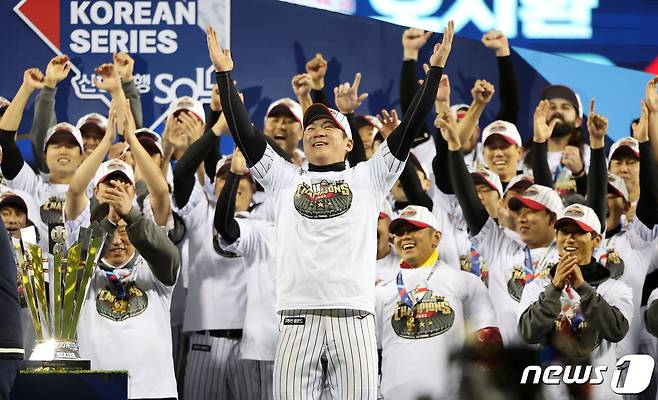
(55, 289)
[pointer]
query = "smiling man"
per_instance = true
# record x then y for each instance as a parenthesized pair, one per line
(578, 310)
(427, 314)
(283, 123)
(502, 149)
(328, 215)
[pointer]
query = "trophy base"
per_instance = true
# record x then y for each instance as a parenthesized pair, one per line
(56, 354)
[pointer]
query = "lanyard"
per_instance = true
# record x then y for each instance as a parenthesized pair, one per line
(402, 290)
(475, 261)
(558, 172)
(531, 273)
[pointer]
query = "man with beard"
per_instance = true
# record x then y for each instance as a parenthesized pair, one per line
(568, 155)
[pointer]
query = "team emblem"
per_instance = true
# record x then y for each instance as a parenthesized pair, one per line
(323, 200)
(429, 317)
(110, 306)
(613, 262)
(466, 264)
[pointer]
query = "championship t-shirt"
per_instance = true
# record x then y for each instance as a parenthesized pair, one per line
(329, 222)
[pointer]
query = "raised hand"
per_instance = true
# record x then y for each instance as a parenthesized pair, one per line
(446, 122)
(565, 267)
(302, 85)
(107, 78)
(190, 125)
(316, 68)
(573, 160)
(57, 70)
(412, 40)
(119, 198)
(347, 97)
(442, 50)
(388, 121)
(33, 79)
(121, 150)
(651, 95)
(238, 163)
(128, 123)
(124, 65)
(221, 58)
(641, 129)
(496, 41)
(597, 126)
(542, 130)
(443, 94)
(482, 91)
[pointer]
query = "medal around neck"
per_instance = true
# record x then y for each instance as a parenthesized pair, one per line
(55, 288)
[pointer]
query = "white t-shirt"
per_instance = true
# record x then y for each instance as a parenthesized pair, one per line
(387, 267)
(329, 222)
(257, 246)
(217, 287)
(616, 294)
(50, 197)
(132, 334)
(416, 354)
(506, 259)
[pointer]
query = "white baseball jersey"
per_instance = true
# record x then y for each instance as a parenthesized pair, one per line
(257, 246)
(133, 333)
(49, 196)
(628, 256)
(417, 342)
(615, 293)
(507, 260)
(387, 267)
(329, 222)
(217, 291)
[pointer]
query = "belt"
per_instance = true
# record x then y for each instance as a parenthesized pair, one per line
(223, 333)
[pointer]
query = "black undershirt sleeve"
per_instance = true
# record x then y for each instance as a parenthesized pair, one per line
(474, 212)
(647, 210)
(213, 155)
(509, 95)
(440, 164)
(187, 166)
(540, 169)
(402, 137)
(12, 159)
(413, 189)
(224, 221)
(320, 96)
(408, 88)
(358, 152)
(251, 142)
(597, 184)
(581, 185)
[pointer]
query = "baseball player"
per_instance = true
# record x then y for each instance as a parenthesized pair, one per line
(578, 310)
(255, 241)
(388, 261)
(217, 289)
(426, 313)
(327, 214)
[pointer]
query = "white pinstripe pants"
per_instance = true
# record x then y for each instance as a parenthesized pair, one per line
(343, 340)
(213, 370)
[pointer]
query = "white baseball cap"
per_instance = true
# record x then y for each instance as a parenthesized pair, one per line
(150, 140)
(583, 216)
(417, 216)
(459, 107)
(489, 178)
(385, 210)
(93, 121)
(190, 104)
(503, 128)
(319, 110)
(628, 144)
(525, 180)
(617, 185)
(64, 129)
(538, 197)
(286, 106)
(111, 167)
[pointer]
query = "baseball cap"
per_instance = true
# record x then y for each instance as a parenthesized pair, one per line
(617, 185)
(417, 216)
(319, 110)
(538, 197)
(367, 120)
(503, 128)
(489, 178)
(583, 216)
(285, 106)
(628, 145)
(459, 110)
(187, 103)
(563, 92)
(14, 200)
(385, 210)
(111, 167)
(92, 123)
(66, 131)
(223, 166)
(520, 182)
(151, 141)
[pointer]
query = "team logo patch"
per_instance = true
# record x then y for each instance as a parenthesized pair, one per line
(613, 262)
(431, 316)
(118, 309)
(51, 210)
(323, 200)
(466, 264)
(573, 335)
(294, 321)
(516, 283)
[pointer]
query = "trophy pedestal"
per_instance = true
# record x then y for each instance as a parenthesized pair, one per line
(56, 354)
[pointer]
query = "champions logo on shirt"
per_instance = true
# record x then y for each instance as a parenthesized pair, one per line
(323, 200)
(110, 306)
(431, 316)
(51, 210)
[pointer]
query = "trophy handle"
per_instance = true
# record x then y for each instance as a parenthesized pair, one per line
(70, 275)
(28, 290)
(40, 287)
